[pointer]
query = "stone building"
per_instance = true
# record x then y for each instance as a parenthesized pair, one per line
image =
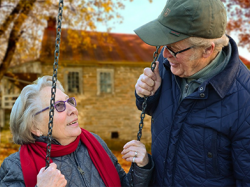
(101, 78)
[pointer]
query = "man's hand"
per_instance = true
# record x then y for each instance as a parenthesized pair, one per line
(148, 82)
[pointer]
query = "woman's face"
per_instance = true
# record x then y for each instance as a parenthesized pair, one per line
(65, 124)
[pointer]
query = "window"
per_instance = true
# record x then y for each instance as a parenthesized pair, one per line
(73, 80)
(114, 135)
(105, 83)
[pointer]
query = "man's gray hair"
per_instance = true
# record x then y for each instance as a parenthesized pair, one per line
(205, 43)
(22, 117)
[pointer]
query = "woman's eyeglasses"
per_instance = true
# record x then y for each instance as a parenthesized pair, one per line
(60, 106)
(175, 53)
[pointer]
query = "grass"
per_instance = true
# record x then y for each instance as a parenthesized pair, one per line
(7, 147)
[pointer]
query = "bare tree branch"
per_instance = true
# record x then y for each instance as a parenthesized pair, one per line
(15, 34)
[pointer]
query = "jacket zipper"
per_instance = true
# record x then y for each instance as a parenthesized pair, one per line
(179, 89)
(80, 170)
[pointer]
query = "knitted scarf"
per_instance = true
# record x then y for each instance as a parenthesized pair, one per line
(32, 157)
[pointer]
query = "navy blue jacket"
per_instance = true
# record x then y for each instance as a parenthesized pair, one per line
(203, 140)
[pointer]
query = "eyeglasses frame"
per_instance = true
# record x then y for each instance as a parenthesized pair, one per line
(175, 53)
(55, 107)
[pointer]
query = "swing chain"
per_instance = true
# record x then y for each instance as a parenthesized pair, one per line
(54, 79)
(144, 106)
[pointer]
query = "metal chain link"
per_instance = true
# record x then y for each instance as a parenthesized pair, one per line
(54, 79)
(144, 104)
(143, 113)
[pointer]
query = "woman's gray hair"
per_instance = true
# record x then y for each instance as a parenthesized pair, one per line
(205, 43)
(22, 117)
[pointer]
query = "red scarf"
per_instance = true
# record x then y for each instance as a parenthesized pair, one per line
(32, 157)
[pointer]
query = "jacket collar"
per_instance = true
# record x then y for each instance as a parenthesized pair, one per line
(44, 139)
(222, 81)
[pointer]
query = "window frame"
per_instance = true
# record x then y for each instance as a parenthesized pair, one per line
(66, 72)
(104, 70)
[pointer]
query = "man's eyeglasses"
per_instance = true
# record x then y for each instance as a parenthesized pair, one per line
(60, 106)
(175, 53)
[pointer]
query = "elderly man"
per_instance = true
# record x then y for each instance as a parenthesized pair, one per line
(198, 97)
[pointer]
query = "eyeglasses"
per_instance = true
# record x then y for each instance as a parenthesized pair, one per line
(60, 106)
(175, 53)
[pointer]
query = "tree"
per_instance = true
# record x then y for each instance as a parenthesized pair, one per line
(239, 20)
(21, 23)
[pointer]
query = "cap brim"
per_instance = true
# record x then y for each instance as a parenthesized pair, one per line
(154, 33)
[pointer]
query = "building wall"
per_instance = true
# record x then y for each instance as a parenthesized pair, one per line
(106, 113)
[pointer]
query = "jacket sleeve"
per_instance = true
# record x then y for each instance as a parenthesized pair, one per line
(141, 176)
(11, 172)
(152, 101)
(241, 153)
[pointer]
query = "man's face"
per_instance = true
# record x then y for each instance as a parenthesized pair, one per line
(186, 63)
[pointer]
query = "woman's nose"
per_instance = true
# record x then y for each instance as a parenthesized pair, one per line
(71, 109)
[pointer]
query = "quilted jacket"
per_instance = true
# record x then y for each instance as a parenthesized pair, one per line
(77, 168)
(203, 140)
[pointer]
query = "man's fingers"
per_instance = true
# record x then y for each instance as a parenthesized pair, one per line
(148, 82)
(156, 71)
(149, 73)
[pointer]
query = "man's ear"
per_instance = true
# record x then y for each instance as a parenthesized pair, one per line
(209, 51)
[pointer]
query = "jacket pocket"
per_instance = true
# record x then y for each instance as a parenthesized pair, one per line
(211, 155)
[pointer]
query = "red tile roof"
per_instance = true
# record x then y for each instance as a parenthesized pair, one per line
(112, 47)
(245, 61)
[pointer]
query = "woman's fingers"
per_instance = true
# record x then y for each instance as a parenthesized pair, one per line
(135, 151)
(52, 176)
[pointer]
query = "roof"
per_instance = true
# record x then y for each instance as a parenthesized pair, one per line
(21, 79)
(106, 48)
(245, 61)
(111, 47)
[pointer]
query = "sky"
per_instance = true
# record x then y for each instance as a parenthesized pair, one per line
(139, 12)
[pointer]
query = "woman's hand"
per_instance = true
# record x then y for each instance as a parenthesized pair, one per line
(51, 177)
(135, 151)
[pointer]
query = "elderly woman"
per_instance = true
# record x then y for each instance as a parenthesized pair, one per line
(78, 157)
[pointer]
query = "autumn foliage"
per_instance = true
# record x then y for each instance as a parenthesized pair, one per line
(22, 23)
(239, 20)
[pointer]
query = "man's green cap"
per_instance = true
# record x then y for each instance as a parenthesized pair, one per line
(181, 19)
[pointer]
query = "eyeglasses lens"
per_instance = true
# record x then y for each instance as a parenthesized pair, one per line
(60, 106)
(72, 101)
(170, 51)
